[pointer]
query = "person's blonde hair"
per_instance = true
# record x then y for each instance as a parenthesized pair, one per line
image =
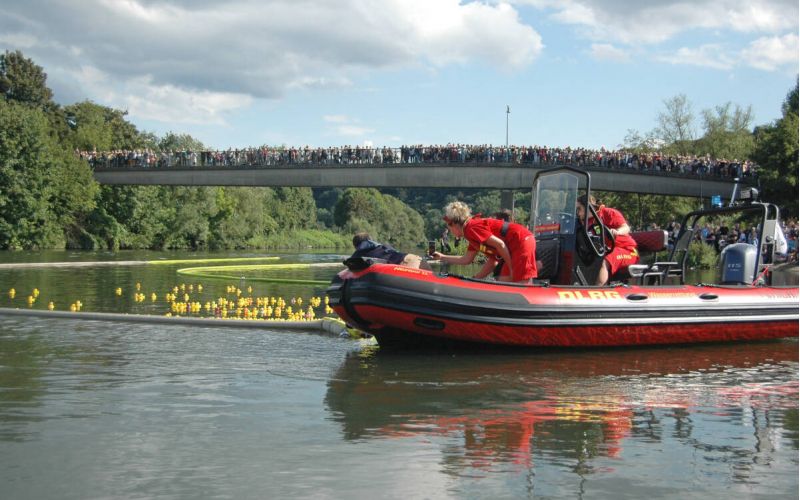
(457, 212)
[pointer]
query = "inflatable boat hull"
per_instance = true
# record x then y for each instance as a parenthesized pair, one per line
(402, 306)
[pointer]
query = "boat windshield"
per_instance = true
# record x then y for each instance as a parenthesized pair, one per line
(554, 197)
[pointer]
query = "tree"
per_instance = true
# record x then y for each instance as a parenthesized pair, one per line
(102, 128)
(128, 217)
(23, 81)
(638, 143)
(385, 217)
(43, 186)
(676, 125)
(727, 132)
(294, 208)
(776, 152)
(242, 220)
(180, 142)
(90, 126)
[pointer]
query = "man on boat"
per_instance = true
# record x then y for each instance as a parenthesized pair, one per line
(367, 248)
(625, 252)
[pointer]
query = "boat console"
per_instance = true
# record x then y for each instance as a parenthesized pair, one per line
(570, 253)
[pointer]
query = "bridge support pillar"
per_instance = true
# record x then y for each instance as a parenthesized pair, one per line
(507, 200)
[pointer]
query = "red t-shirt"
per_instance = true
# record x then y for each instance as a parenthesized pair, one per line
(519, 241)
(613, 219)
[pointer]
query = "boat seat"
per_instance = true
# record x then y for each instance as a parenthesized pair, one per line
(548, 253)
(648, 242)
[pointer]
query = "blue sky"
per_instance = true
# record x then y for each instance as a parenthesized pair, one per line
(243, 73)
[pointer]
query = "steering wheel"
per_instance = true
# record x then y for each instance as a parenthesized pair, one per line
(603, 242)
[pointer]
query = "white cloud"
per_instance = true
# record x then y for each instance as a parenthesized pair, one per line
(770, 53)
(654, 21)
(766, 53)
(710, 55)
(607, 52)
(18, 40)
(217, 53)
(353, 130)
(346, 126)
(335, 118)
(166, 103)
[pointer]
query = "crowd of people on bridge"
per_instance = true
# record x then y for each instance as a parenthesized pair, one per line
(418, 154)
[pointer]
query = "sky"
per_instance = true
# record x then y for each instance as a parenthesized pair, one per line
(579, 73)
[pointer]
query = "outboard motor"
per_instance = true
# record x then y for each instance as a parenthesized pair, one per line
(737, 264)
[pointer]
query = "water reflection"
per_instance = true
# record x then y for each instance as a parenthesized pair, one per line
(505, 412)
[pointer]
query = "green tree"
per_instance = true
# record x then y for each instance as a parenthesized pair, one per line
(383, 216)
(294, 208)
(776, 152)
(23, 81)
(676, 125)
(90, 125)
(727, 132)
(129, 217)
(635, 142)
(242, 220)
(642, 209)
(43, 187)
(100, 128)
(180, 142)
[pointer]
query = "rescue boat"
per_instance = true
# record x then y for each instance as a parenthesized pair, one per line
(650, 305)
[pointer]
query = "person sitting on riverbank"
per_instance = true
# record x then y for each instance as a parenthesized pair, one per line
(367, 248)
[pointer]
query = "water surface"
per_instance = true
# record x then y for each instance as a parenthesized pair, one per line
(92, 409)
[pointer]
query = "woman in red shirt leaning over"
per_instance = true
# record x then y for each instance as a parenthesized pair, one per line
(625, 252)
(498, 240)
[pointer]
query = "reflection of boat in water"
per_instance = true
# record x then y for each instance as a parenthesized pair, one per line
(402, 306)
(503, 407)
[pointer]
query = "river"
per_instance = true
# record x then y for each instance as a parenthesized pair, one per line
(98, 409)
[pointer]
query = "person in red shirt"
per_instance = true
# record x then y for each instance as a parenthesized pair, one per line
(625, 252)
(497, 239)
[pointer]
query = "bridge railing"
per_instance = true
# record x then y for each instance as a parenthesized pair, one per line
(517, 156)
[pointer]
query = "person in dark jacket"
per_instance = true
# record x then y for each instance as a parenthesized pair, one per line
(369, 249)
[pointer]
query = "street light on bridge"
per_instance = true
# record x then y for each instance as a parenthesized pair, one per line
(508, 112)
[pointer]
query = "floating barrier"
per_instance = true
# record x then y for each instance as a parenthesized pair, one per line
(204, 272)
(331, 326)
(110, 263)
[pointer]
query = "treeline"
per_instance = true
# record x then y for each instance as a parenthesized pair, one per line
(728, 133)
(49, 199)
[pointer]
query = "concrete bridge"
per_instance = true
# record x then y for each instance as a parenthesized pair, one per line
(451, 175)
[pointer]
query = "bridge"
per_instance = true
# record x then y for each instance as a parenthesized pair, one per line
(442, 175)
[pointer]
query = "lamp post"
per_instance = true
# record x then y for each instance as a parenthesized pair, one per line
(508, 112)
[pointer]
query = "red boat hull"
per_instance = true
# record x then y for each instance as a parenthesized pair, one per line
(408, 307)
(584, 336)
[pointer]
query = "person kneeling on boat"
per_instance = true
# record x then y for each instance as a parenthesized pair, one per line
(625, 252)
(497, 239)
(367, 248)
